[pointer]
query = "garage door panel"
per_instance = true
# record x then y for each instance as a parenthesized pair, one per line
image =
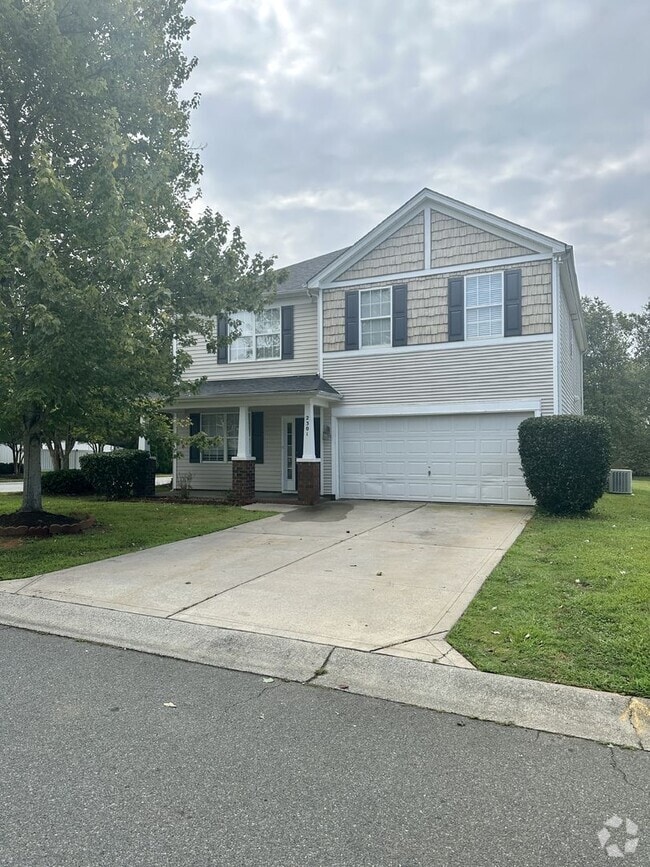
(442, 447)
(467, 493)
(417, 447)
(466, 446)
(467, 458)
(467, 468)
(492, 446)
(491, 469)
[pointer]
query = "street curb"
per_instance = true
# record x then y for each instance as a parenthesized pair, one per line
(598, 716)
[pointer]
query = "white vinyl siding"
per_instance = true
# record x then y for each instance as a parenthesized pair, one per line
(570, 361)
(450, 458)
(502, 371)
(484, 305)
(305, 360)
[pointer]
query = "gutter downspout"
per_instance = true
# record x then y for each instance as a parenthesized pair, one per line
(555, 285)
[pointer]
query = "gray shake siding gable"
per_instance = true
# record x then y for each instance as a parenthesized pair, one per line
(456, 243)
(403, 251)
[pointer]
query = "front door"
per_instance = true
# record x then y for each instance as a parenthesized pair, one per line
(292, 437)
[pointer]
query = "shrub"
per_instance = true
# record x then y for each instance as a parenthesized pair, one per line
(65, 483)
(6, 469)
(565, 459)
(117, 475)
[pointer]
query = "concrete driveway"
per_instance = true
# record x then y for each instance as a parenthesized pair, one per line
(375, 576)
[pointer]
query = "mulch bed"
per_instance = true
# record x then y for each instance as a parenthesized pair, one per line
(42, 524)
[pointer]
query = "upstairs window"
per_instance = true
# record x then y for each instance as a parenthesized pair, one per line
(260, 336)
(375, 316)
(484, 305)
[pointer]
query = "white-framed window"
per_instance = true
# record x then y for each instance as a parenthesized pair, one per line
(260, 336)
(375, 316)
(224, 425)
(484, 305)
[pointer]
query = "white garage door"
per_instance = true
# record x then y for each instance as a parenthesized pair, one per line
(454, 458)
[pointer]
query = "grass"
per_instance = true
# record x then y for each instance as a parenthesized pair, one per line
(122, 527)
(570, 601)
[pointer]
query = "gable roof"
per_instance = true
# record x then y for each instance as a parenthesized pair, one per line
(444, 204)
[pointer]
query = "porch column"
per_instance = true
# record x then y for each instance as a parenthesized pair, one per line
(308, 465)
(244, 437)
(243, 464)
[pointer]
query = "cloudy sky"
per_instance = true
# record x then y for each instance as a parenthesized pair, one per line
(320, 117)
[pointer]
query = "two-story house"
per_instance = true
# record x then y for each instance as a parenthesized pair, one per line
(398, 368)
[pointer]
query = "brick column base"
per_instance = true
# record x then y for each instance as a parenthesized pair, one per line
(308, 482)
(243, 481)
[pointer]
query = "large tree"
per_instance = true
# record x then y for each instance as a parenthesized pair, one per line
(617, 379)
(104, 273)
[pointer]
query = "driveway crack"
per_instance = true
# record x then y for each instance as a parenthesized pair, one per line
(321, 670)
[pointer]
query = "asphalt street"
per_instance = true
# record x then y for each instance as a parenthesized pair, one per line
(100, 770)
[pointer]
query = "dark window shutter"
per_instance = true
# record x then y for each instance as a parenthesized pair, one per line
(512, 303)
(287, 331)
(195, 427)
(351, 320)
(257, 436)
(400, 336)
(456, 308)
(222, 331)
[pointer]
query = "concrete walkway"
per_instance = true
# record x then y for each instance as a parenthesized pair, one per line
(384, 577)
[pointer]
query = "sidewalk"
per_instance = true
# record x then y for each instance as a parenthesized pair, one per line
(598, 716)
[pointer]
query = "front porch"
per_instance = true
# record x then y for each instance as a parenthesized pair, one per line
(273, 438)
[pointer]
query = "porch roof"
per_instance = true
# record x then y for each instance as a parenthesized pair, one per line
(267, 386)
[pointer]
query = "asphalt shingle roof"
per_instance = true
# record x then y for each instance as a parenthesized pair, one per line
(266, 385)
(301, 272)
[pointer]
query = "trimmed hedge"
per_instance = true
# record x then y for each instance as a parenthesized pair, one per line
(65, 483)
(566, 460)
(7, 469)
(117, 475)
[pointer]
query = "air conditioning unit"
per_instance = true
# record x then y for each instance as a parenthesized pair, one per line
(620, 482)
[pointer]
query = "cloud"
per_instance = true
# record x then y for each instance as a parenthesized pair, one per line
(319, 119)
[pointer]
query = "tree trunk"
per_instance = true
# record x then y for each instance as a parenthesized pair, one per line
(68, 446)
(54, 448)
(17, 456)
(32, 499)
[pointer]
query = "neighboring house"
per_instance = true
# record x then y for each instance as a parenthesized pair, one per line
(398, 368)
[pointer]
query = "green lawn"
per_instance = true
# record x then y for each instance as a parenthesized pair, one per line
(570, 602)
(122, 527)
